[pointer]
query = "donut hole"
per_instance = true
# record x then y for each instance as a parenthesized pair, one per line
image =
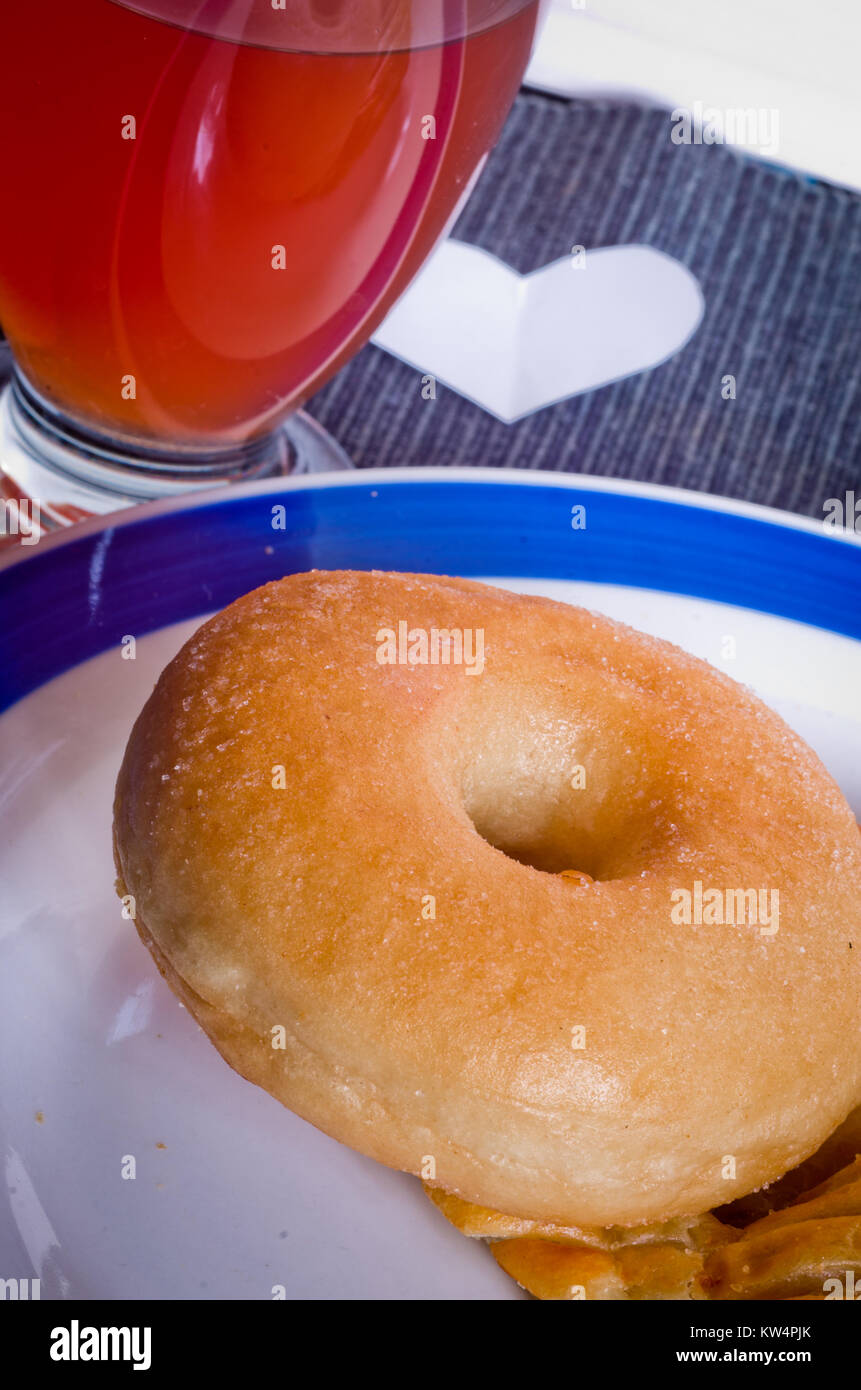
(530, 817)
(563, 790)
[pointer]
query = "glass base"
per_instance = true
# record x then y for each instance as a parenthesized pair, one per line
(46, 459)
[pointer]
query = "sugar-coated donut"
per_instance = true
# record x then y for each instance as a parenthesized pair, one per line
(348, 815)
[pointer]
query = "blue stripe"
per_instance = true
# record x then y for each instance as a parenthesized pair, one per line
(66, 604)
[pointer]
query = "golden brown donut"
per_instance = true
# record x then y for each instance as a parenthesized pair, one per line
(365, 861)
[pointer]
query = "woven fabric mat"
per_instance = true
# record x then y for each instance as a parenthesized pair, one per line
(778, 258)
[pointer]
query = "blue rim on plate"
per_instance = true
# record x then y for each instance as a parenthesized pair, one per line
(80, 592)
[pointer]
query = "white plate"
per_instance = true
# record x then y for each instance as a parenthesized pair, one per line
(234, 1196)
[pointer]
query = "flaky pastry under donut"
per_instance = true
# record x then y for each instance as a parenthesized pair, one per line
(368, 853)
(809, 1248)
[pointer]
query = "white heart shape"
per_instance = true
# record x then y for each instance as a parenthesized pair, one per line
(516, 343)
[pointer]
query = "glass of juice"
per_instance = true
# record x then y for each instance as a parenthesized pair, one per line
(212, 204)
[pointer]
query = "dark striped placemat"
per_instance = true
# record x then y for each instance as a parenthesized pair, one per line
(778, 257)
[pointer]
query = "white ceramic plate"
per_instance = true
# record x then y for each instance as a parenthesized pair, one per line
(234, 1196)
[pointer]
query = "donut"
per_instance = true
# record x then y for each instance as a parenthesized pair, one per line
(500, 892)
